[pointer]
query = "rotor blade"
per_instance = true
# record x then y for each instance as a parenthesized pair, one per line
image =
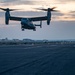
(7, 9)
(53, 8)
(13, 9)
(42, 9)
(3, 9)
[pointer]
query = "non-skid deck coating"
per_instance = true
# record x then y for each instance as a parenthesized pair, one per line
(42, 59)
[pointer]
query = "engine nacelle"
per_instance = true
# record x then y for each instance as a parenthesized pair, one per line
(48, 16)
(7, 16)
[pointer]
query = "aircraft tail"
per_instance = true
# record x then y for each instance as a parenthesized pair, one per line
(40, 24)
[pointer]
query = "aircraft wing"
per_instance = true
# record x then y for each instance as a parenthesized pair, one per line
(38, 18)
(31, 19)
(15, 18)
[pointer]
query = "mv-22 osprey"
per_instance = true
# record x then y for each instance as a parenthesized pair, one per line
(27, 23)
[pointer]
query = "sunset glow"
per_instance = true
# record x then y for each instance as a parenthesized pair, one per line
(67, 8)
(62, 24)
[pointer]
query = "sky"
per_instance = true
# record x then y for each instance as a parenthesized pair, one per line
(62, 26)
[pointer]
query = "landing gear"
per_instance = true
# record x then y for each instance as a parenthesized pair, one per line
(22, 29)
(34, 29)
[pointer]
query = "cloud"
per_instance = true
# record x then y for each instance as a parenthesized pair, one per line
(15, 2)
(20, 1)
(22, 4)
(72, 12)
(6, 1)
(65, 1)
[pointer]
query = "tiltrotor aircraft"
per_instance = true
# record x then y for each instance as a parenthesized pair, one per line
(27, 23)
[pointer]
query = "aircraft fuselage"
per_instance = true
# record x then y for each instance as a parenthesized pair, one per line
(26, 24)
